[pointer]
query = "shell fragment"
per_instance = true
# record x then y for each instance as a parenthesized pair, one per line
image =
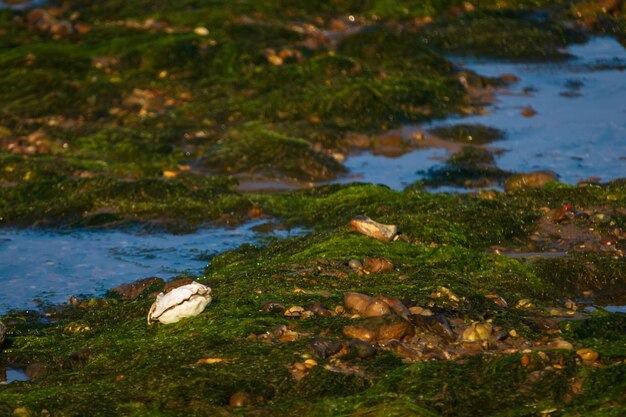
(182, 302)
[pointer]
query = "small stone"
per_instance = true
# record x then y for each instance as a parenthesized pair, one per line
(420, 311)
(525, 303)
(377, 265)
(355, 264)
(295, 311)
(170, 285)
(369, 227)
(357, 302)
(240, 399)
(477, 332)
(130, 292)
(587, 355)
(529, 180)
(497, 299)
(377, 308)
(360, 332)
(560, 344)
(324, 348)
(22, 412)
(437, 324)
(380, 328)
(273, 307)
(318, 309)
(528, 112)
(300, 366)
(310, 363)
(397, 306)
(201, 31)
(361, 349)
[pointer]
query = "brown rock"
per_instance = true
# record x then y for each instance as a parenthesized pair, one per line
(357, 302)
(394, 328)
(361, 349)
(529, 180)
(379, 328)
(130, 292)
(377, 265)
(587, 355)
(324, 348)
(360, 332)
(369, 227)
(170, 285)
(240, 399)
(377, 308)
(528, 112)
(397, 306)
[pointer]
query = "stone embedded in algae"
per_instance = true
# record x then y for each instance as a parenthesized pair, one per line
(357, 302)
(529, 180)
(182, 302)
(477, 332)
(130, 292)
(368, 227)
(380, 328)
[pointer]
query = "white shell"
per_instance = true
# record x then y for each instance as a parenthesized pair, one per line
(185, 301)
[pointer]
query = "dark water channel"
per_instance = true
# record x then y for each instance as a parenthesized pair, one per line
(579, 131)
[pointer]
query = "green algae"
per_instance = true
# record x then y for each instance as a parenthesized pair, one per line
(144, 370)
(499, 35)
(476, 134)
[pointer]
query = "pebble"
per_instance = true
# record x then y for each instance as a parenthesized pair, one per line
(368, 227)
(380, 328)
(240, 399)
(295, 311)
(130, 292)
(324, 348)
(377, 308)
(201, 31)
(587, 355)
(529, 180)
(377, 265)
(361, 349)
(355, 264)
(357, 302)
(477, 332)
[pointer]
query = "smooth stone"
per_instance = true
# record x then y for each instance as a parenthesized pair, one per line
(324, 348)
(529, 180)
(361, 349)
(356, 302)
(130, 292)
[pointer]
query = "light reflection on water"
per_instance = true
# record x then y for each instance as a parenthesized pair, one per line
(55, 265)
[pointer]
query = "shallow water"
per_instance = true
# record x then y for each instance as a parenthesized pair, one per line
(52, 266)
(579, 130)
(24, 5)
(8, 375)
(397, 172)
